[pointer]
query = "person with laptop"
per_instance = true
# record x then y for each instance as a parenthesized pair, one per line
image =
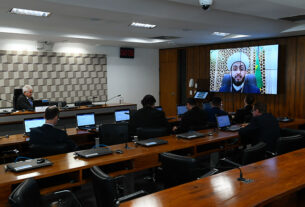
(25, 100)
(215, 111)
(194, 119)
(147, 116)
(244, 115)
(263, 127)
(48, 135)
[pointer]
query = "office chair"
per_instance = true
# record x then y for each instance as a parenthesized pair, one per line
(106, 189)
(111, 134)
(178, 169)
(151, 132)
(289, 144)
(42, 150)
(27, 194)
(17, 93)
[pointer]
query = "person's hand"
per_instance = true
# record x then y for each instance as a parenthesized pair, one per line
(244, 125)
(175, 128)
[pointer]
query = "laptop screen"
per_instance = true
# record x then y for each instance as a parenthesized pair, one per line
(201, 95)
(122, 115)
(223, 121)
(85, 119)
(32, 123)
(159, 108)
(181, 109)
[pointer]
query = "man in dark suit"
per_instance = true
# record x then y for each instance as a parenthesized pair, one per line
(263, 127)
(25, 100)
(194, 119)
(147, 116)
(215, 111)
(244, 115)
(48, 135)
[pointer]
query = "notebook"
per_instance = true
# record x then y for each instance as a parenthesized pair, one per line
(181, 109)
(122, 115)
(32, 123)
(151, 142)
(223, 122)
(28, 164)
(85, 121)
(190, 135)
(95, 152)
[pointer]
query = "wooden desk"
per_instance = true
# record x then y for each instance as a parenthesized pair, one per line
(295, 124)
(274, 179)
(139, 157)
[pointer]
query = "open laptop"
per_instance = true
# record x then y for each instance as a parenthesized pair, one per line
(122, 115)
(32, 123)
(85, 121)
(151, 142)
(181, 109)
(95, 152)
(159, 108)
(223, 122)
(28, 164)
(190, 135)
(201, 95)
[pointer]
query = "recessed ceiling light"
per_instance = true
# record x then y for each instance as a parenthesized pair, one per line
(29, 12)
(142, 25)
(234, 36)
(82, 37)
(142, 40)
(222, 34)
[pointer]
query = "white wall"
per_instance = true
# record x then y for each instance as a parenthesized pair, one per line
(132, 78)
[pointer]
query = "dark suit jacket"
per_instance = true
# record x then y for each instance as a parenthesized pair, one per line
(243, 115)
(264, 128)
(147, 117)
(194, 119)
(212, 112)
(23, 103)
(247, 88)
(49, 135)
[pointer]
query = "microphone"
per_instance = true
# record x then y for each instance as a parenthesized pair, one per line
(241, 178)
(112, 99)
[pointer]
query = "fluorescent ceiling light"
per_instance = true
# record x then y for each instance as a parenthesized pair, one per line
(142, 25)
(222, 34)
(30, 12)
(234, 36)
(142, 40)
(13, 30)
(82, 37)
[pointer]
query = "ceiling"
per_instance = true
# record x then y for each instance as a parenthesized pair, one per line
(106, 22)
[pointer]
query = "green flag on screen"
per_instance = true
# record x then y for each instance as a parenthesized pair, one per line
(258, 73)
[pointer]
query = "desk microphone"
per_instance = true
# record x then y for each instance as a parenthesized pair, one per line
(241, 178)
(112, 98)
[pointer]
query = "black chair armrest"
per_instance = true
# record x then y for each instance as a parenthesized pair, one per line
(62, 198)
(132, 196)
(271, 154)
(211, 172)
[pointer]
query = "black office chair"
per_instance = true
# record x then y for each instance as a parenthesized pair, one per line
(37, 150)
(27, 194)
(289, 144)
(151, 132)
(178, 169)
(17, 93)
(111, 134)
(106, 189)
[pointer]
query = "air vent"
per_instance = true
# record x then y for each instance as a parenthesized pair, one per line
(165, 37)
(294, 18)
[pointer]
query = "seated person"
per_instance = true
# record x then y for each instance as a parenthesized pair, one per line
(147, 116)
(215, 111)
(25, 100)
(238, 64)
(263, 127)
(194, 119)
(48, 135)
(244, 115)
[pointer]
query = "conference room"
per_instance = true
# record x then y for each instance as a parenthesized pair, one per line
(97, 60)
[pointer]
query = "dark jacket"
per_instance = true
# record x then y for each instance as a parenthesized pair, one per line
(147, 117)
(49, 135)
(213, 112)
(194, 119)
(23, 103)
(246, 89)
(264, 128)
(243, 115)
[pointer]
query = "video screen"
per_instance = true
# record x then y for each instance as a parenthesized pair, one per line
(85, 119)
(244, 70)
(33, 123)
(123, 115)
(201, 95)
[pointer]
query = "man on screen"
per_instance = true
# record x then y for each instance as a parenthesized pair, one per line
(238, 63)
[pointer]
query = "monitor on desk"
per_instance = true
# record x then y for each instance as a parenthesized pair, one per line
(181, 109)
(223, 121)
(122, 115)
(33, 123)
(85, 120)
(201, 95)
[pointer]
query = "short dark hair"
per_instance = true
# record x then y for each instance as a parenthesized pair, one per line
(216, 101)
(250, 99)
(262, 108)
(51, 112)
(148, 100)
(191, 101)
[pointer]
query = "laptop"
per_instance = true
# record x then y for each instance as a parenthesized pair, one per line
(190, 135)
(85, 121)
(95, 152)
(32, 123)
(181, 109)
(151, 142)
(159, 108)
(223, 122)
(122, 115)
(201, 95)
(28, 164)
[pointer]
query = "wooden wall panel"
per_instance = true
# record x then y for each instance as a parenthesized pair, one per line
(300, 78)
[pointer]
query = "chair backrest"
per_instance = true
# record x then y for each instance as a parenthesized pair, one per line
(26, 194)
(289, 143)
(254, 153)
(41, 150)
(149, 132)
(104, 188)
(111, 134)
(17, 93)
(178, 169)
